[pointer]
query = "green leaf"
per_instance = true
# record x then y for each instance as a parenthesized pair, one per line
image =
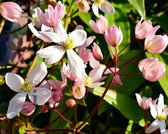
(82, 102)
(103, 107)
(126, 105)
(162, 21)
(85, 17)
(164, 80)
(139, 6)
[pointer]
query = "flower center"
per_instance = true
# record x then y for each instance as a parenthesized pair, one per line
(162, 116)
(26, 86)
(87, 80)
(69, 43)
(81, 5)
(99, 2)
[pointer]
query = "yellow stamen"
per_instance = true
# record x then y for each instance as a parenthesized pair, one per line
(87, 80)
(99, 2)
(69, 43)
(26, 86)
(162, 116)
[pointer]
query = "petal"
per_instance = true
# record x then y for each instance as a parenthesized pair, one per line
(106, 7)
(38, 73)
(94, 85)
(152, 127)
(79, 36)
(51, 51)
(39, 95)
(139, 99)
(160, 105)
(76, 64)
(14, 81)
(54, 59)
(95, 9)
(16, 105)
(96, 73)
(162, 125)
(153, 111)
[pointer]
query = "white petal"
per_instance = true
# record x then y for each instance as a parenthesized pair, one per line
(76, 64)
(14, 81)
(61, 31)
(96, 73)
(16, 105)
(160, 105)
(153, 111)
(94, 85)
(55, 58)
(95, 9)
(152, 127)
(162, 125)
(139, 99)
(50, 51)
(79, 36)
(38, 73)
(39, 95)
(106, 7)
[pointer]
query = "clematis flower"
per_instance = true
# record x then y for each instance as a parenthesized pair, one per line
(78, 90)
(52, 15)
(159, 112)
(100, 25)
(67, 42)
(143, 102)
(37, 95)
(83, 5)
(103, 5)
(97, 53)
(114, 36)
(152, 69)
(10, 11)
(156, 44)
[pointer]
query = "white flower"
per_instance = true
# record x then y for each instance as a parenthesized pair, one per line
(66, 44)
(37, 95)
(103, 5)
(159, 112)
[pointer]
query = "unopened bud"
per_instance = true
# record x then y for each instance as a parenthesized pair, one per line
(70, 103)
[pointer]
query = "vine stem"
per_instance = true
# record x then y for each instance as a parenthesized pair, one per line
(96, 106)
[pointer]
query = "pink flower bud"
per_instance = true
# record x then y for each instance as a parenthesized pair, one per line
(116, 80)
(114, 36)
(28, 108)
(85, 55)
(83, 5)
(70, 103)
(10, 11)
(152, 69)
(156, 44)
(97, 53)
(52, 15)
(78, 90)
(100, 25)
(142, 29)
(143, 102)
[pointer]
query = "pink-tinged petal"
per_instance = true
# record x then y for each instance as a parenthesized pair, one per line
(154, 126)
(160, 105)
(14, 81)
(106, 7)
(95, 9)
(153, 111)
(97, 53)
(88, 41)
(10, 11)
(94, 85)
(39, 96)
(85, 54)
(162, 125)
(79, 36)
(60, 30)
(16, 104)
(76, 64)
(51, 51)
(28, 108)
(38, 73)
(83, 5)
(93, 62)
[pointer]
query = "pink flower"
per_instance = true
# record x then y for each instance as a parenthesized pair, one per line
(28, 108)
(152, 69)
(113, 36)
(156, 44)
(83, 5)
(97, 53)
(52, 15)
(100, 25)
(143, 102)
(78, 89)
(10, 11)
(142, 29)
(70, 103)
